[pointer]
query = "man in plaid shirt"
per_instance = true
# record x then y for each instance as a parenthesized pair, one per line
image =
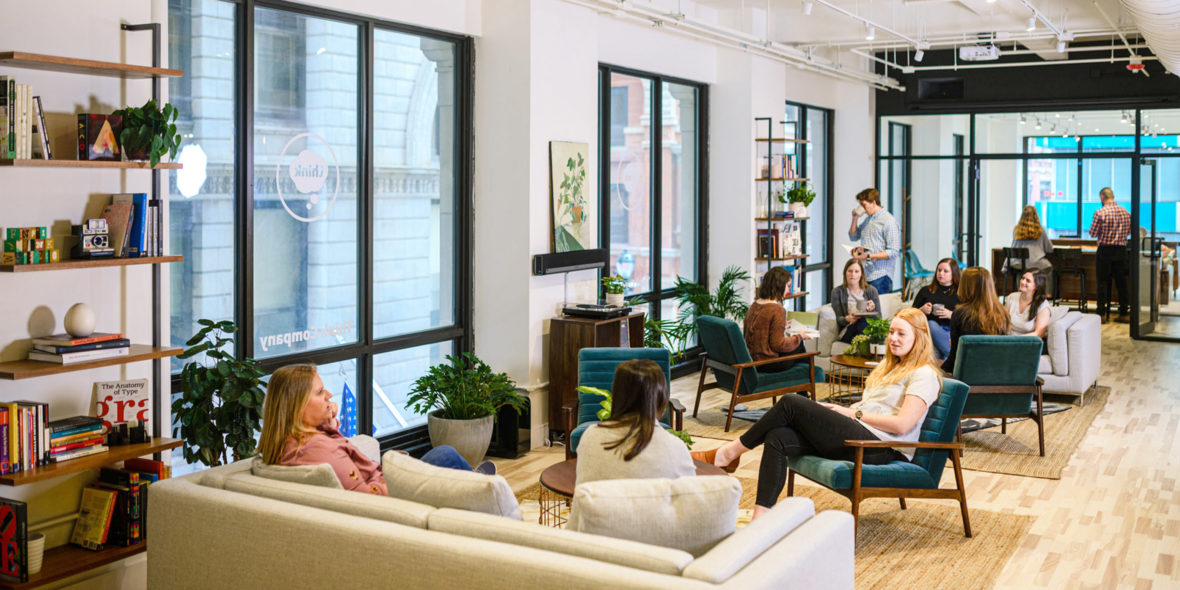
(880, 240)
(1110, 226)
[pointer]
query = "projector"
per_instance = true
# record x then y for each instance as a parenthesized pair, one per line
(979, 53)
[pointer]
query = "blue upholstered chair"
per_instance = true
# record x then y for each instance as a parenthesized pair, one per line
(914, 272)
(900, 479)
(737, 372)
(596, 368)
(1002, 374)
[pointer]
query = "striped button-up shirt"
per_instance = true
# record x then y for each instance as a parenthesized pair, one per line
(879, 233)
(1111, 225)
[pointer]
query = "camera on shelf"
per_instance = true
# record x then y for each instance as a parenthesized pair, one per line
(93, 240)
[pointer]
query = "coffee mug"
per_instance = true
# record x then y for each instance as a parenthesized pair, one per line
(858, 211)
(939, 307)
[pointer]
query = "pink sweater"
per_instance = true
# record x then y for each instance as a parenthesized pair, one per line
(356, 471)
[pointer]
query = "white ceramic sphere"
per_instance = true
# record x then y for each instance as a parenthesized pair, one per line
(80, 320)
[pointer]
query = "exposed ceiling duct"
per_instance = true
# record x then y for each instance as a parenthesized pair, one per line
(1159, 22)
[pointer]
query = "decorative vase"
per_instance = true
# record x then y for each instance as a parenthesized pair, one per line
(79, 320)
(36, 552)
(877, 349)
(799, 210)
(471, 438)
(615, 299)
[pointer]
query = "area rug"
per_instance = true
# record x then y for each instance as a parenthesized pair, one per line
(921, 547)
(1015, 453)
(973, 424)
(710, 420)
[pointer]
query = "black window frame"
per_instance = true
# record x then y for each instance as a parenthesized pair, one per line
(657, 294)
(414, 439)
(805, 132)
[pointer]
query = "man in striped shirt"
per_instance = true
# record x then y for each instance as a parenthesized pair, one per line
(1110, 226)
(880, 240)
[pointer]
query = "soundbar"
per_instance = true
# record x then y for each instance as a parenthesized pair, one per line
(546, 264)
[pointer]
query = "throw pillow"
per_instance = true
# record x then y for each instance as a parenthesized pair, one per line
(410, 479)
(687, 513)
(317, 475)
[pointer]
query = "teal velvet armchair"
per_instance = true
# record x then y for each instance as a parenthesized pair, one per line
(900, 479)
(1002, 374)
(596, 368)
(737, 372)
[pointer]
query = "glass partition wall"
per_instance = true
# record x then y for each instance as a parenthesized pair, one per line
(958, 184)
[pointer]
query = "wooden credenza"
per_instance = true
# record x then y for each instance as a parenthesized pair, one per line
(568, 335)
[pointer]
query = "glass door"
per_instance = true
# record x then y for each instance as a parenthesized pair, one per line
(1146, 253)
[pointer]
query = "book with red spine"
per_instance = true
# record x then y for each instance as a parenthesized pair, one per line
(75, 445)
(67, 340)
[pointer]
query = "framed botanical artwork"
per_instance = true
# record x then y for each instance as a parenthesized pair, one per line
(567, 190)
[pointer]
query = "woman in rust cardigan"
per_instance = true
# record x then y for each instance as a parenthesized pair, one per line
(765, 326)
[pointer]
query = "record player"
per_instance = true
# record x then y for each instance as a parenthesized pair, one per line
(598, 311)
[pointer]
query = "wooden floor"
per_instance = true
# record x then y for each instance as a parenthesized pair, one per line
(1111, 521)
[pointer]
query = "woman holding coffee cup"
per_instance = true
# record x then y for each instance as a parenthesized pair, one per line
(854, 301)
(938, 301)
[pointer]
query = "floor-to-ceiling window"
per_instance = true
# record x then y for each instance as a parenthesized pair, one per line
(813, 125)
(323, 204)
(652, 188)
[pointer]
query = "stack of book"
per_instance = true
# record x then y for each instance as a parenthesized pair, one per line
(24, 436)
(64, 349)
(70, 438)
(22, 122)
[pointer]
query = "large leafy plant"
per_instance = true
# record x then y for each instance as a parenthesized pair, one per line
(149, 130)
(696, 300)
(464, 388)
(220, 405)
(876, 330)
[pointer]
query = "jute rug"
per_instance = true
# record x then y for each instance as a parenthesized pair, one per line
(710, 420)
(921, 547)
(1015, 453)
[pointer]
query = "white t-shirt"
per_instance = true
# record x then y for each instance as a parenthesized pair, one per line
(1021, 325)
(887, 399)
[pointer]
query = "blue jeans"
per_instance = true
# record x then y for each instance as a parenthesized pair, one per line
(940, 335)
(853, 330)
(883, 284)
(446, 456)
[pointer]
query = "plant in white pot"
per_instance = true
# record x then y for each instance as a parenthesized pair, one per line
(460, 399)
(799, 198)
(876, 330)
(615, 285)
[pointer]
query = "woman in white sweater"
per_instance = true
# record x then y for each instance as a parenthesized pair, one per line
(632, 444)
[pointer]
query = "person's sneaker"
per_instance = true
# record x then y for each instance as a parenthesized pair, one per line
(486, 468)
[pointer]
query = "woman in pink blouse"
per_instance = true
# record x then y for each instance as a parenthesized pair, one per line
(299, 427)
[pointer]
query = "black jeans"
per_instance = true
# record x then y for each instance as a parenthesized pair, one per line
(798, 426)
(1111, 264)
(853, 330)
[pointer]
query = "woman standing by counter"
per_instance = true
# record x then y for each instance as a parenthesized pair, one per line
(1029, 233)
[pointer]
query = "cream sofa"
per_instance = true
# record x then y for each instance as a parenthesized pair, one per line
(228, 528)
(829, 344)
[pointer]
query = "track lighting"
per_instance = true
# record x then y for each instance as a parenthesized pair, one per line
(918, 55)
(807, 6)
(872, 34)
(1032, 23)
(1060, 46)
(1038, 124)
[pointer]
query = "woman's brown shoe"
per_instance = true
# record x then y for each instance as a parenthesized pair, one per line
(710, 456)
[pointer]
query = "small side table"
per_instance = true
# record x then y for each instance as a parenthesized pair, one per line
(557, 488)
(847, 378)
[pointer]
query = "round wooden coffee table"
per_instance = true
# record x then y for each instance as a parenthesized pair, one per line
(846, 379)
(557, 488)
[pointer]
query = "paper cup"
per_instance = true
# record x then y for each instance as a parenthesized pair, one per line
(36, 552)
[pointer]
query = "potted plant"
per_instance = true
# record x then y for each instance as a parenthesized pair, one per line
(859, 346)
(799, 198)
(615, 285)
(876, 331)
(149, 132)
(220, 406)
(460, 399)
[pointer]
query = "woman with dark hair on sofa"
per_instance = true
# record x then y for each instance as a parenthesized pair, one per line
(765, 326)
(1028, 308)
(852, 300)
(938, 301)
(299, 427)
(631, 443)
(979, 311)
(898, 392)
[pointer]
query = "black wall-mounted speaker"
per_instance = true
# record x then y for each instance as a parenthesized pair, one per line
(940, 88)
(544, 264)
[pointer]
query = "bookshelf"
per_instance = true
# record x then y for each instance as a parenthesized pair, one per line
(779, 240)
(64, 561)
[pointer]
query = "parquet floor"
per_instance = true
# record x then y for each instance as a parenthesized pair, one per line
(1111, 521)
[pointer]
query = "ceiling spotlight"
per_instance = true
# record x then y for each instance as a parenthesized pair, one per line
(872, 34)
(1060, 46)
(1032, 23)
(1022, 119)
(1038, 124)
(919, 55)
(807, 6)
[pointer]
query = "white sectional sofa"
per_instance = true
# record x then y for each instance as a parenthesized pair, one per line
(227, 528)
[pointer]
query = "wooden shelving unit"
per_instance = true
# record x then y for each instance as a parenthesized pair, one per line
(97, 263)
(114, 455)
(34, 163)
(26, 369)
(781, 179)
(89, 67)
(62, 562)
(781, 140)
(776, 154)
